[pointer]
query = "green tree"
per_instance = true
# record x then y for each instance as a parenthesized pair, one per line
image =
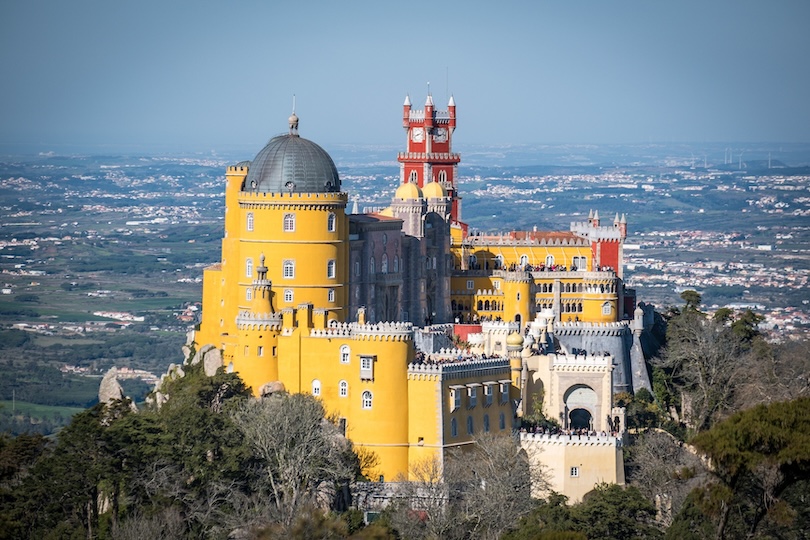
(757, 455)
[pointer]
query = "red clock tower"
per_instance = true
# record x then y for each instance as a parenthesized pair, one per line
(429, 156)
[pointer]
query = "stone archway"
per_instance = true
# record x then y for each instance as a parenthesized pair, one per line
(580, 419)
(581, 402)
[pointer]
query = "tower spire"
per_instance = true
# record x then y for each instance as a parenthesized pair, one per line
(293, 120)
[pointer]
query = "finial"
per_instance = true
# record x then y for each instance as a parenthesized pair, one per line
(407, 100)
(452, 102)
(293, 120)
(429, 96)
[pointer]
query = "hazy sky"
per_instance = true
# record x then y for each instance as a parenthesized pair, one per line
(214, 74)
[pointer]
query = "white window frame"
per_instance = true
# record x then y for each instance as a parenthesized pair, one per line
(330, 296)
(249, 221)
(367, 400)
(574, 472)
(549, 260)
(249, 267)
(504, 392)
(472, 396)
(345, 354)
(249, 294)
(316, 388)
(331, 269)
(343, 389)
(289, 222)
(524, 260)
(607, 309)
(289, 296)
(288, 269)
(367, 367)
(488, 393)
(331, 222)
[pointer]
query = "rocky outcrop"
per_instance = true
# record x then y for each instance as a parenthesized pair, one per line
(273, 387)
(110, 389)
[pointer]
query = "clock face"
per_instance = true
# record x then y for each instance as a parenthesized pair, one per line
(418, 134)
(441, 135)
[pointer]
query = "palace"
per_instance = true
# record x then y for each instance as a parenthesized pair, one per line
(414, 332)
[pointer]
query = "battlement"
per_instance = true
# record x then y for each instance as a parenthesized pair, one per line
(448, 157)
(460, 369)
(579, 328)
(499, 327)
(249, 199)
(570, 439)
(506, 239)
(247, 320)
(383, 331)
(602, 232)
(590, 362)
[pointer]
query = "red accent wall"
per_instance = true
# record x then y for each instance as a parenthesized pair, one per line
(610, 253)
(464, 330)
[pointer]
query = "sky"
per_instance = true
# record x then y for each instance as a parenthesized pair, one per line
(210, 75)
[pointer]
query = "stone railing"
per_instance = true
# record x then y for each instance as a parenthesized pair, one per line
(581, 360)
(465, 367)
(258, 321)
(598, 439)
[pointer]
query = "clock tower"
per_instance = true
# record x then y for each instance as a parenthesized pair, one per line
(429, 156)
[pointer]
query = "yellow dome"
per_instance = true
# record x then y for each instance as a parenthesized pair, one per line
(389, 212)
(408, 190)
(514, 339)
(434, 190)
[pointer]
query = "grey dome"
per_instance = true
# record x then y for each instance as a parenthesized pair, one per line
(290, 163)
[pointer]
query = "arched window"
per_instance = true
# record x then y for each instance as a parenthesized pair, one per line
(330, 296)
(524, 260)
(249, 294)
(480, 305)
(288, 295)
(453, 427)
(250, 221)
(549, 260)
(372, 267)
(331, 222)
(442, 177)
(330, 269)
(498, 261)
(356, 268)
(343, 389)
(316, 387)
(367, 399)
(384, 264)
(469, 425)
(486, 305)
(249, 267)
(396, 264)
(486, 423)
(413, 179)
(288, 269)
(607, 309)
(345, 354)
(502, 421)
(289, 222)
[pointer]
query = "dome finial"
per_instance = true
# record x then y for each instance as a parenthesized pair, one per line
(293, 120)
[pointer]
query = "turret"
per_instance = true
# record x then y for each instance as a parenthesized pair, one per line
(429, 112)
(623, 226)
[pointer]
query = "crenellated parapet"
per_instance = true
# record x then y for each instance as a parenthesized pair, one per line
(499, 327)
(382, 331)
(515, 276)
(247, 320)
(605, 233)
(462, 369)
(570, 439)
(581, 362)
(579, 328)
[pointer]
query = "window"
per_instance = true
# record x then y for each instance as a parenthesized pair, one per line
(574, 472)
(259, 351)
(413, 179)
(316, 387)
(472, 392)
(288, 269)
(343, 389)
(372, 267)
(345, 352)
(607, 309)
(469, 425)
(289, 222)
(342, 426)
(498, 261)
(549, 260)
(470, 284)
(504, 392)
(384, 264)
(396, 264)
(488, 395)
(453, 427)
(580, 263)
(367, 399)
(367, 367)
(229, 369)
(433, 261)
(442, 177)
(330, 269)
(288, 295)
(524, 260)
(249, 267)
(249, 294)
(331, 221)
(456, 398)
(250, 221)
(330, 296)
(497, 285)
(502, 421)
(486, 423)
